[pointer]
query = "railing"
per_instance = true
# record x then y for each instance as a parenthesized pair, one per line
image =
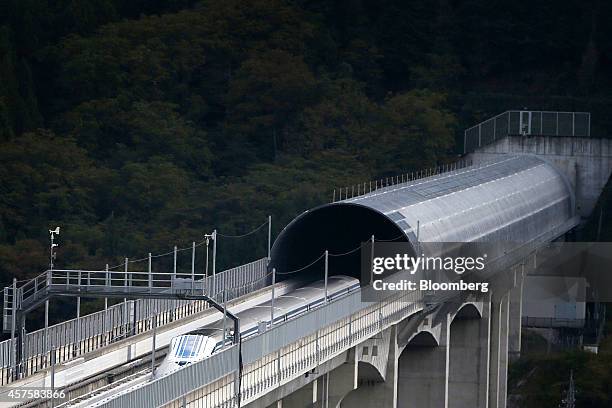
(550, 322)
(286, 351)
(76, 337)
(7, 306)
(527, 123)
(296, 346)
(401, 180)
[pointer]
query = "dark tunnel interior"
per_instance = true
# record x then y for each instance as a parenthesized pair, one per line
(339, 228)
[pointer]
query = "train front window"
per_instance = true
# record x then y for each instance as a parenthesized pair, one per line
(188, 346)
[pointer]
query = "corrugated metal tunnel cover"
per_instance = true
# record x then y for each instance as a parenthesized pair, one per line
(516, 198)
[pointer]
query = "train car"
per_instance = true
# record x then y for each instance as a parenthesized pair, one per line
(203, 342)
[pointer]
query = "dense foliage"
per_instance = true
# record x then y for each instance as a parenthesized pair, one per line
(135, 125)
(540, 380)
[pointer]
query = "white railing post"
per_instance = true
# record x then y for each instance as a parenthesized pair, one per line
(150, 276)
(326, 272)
(105, 324)
(193, 249)
(588, 125)
(153, 346)
(107, 283)
(270, 232)
(13, 323)
(495, 128)
(272, 301)
(372, 261)
(78, 307)
(224, 317)
(214, 260)
(174, 267)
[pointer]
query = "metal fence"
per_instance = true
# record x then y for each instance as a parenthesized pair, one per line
(278, 355)
(393, 182)
(527, 123)
(550, 322)
(76, 337)
(154, 394)
(294, 348)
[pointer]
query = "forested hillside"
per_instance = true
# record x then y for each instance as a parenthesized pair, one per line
(137, 125)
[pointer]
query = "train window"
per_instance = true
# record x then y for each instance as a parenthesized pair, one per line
(188, 346)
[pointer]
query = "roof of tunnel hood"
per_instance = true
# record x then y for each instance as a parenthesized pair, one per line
(494, 200)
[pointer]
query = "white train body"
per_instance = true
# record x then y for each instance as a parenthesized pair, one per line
(202, 343)
(190, 347)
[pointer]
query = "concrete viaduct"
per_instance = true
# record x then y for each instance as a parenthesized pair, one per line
(455, 354)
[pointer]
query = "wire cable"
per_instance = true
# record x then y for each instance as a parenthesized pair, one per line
(302, 268)
(390, 240)
(198, 244)
(345, 253)
(243, 235)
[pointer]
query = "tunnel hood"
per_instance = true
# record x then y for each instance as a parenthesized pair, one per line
(513, 198)
(339, 228)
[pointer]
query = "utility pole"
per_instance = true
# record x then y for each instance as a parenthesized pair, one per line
(53, 245)
(52, 256)
(570, 398)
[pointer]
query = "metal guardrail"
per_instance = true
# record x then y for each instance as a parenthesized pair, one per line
(527, 123)
(550, 322)
(123, 283)
(278, 355)
(76, 337)
(401, 180)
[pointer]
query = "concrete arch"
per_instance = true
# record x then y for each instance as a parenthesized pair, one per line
(370, 383)
(423, 338)
(368, 373)
(470, 310)
(368, 377)
(422, 371)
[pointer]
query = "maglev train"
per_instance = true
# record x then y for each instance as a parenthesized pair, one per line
(203, 342)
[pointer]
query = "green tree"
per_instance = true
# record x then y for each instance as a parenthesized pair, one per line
(344, 119)
(117, 130)
(420, 130)
(266, 94)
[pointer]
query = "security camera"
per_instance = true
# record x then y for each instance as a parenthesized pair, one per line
(55, 231)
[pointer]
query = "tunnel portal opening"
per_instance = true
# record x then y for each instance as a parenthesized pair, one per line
(340, 228)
